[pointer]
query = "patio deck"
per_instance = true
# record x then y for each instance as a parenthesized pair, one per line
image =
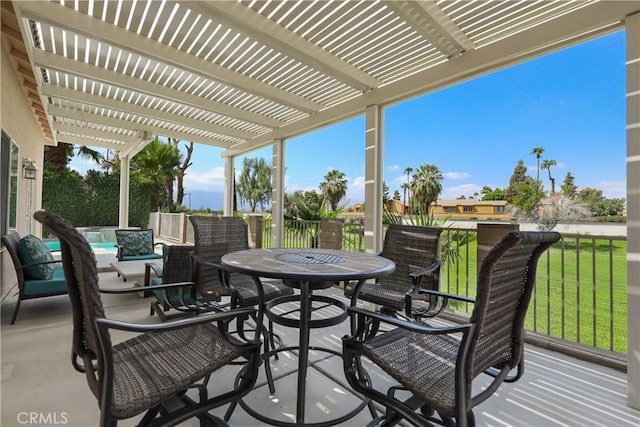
(37, 377)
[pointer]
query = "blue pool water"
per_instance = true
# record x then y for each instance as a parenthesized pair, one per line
(54, 245)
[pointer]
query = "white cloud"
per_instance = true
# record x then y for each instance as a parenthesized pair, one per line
(355, 191)
(393, 168)
(456, 175)
(456, 191)
(209, 180)
(613, 189)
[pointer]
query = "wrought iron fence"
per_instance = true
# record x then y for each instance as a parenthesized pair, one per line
(580, 294)
(581, 289)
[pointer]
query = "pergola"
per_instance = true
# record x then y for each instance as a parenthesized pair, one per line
(242, 75)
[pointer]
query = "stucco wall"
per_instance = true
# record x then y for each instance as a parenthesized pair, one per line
(17, 120)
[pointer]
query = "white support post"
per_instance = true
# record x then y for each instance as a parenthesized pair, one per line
(373, 180)
(277, 195)
(632, 24)
(123, 212)
(229, 185)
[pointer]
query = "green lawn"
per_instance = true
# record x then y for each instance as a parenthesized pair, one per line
(580, 294)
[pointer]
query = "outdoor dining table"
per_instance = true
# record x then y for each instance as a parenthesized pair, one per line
(307, 270)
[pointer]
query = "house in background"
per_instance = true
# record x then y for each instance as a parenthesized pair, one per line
(454, 209)
(471, 209)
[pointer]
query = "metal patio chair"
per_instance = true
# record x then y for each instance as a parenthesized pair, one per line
(436, 365)
(136, 245)
(38, 285)
(177, 266)
(214, 237)
(415, 251)
(151, 372)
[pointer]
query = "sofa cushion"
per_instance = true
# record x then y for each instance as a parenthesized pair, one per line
(54, 286)
(32, 250)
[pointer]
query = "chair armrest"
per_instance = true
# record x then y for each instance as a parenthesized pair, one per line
(220, 316)
(447, 296)
(35, 264)
(138, 289)
(367, 315)
(120, 252)
(433, 267)
(156, 267)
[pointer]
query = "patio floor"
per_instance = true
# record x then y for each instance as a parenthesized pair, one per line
(37, 377)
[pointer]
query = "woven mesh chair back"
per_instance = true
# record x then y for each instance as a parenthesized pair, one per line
(81, 275)
(411, 248)
(214, 237)
(505, 284)
(178, 264)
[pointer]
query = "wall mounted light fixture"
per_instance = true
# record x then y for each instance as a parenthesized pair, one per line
(29, 169)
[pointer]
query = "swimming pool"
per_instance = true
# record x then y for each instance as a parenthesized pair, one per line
(54, 245)
(102, 240)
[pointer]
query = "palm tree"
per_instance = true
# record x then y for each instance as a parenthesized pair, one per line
(426, 186)
(547, 165)
(59, 155)
(334, 187)
(159, 162)
(537, 151)
(407, 187)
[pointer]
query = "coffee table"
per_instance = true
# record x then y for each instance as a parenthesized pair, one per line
(135, 270)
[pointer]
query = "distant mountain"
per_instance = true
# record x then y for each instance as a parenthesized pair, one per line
(204, 199)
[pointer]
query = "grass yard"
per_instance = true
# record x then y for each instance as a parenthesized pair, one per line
(581, 289)
(580, 294)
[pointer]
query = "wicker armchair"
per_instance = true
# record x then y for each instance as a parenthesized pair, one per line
(437, 365)
(415, 251)
(150, 372)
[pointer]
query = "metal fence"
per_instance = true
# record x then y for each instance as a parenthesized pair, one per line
(581, 290)
(580, 294)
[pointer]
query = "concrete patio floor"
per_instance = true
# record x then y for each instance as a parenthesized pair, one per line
(37, 377)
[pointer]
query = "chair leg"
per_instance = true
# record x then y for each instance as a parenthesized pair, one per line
(15, 311)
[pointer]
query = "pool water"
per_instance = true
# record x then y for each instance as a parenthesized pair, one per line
(101, 239)
(101, 247)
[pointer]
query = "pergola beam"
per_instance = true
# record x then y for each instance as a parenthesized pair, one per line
(133, 126)
(428, 19)
(91, 132)
(151, 113)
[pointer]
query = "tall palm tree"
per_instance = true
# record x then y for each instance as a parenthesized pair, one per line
(547, 165)
(59, 155)
(426, 186)
(334, 187)
(406, 188)
(537, 151)
(159, 162)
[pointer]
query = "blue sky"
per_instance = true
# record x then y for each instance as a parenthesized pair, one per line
(571, 103)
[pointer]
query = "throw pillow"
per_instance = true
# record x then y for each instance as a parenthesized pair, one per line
(136, 242)
(32, 250)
